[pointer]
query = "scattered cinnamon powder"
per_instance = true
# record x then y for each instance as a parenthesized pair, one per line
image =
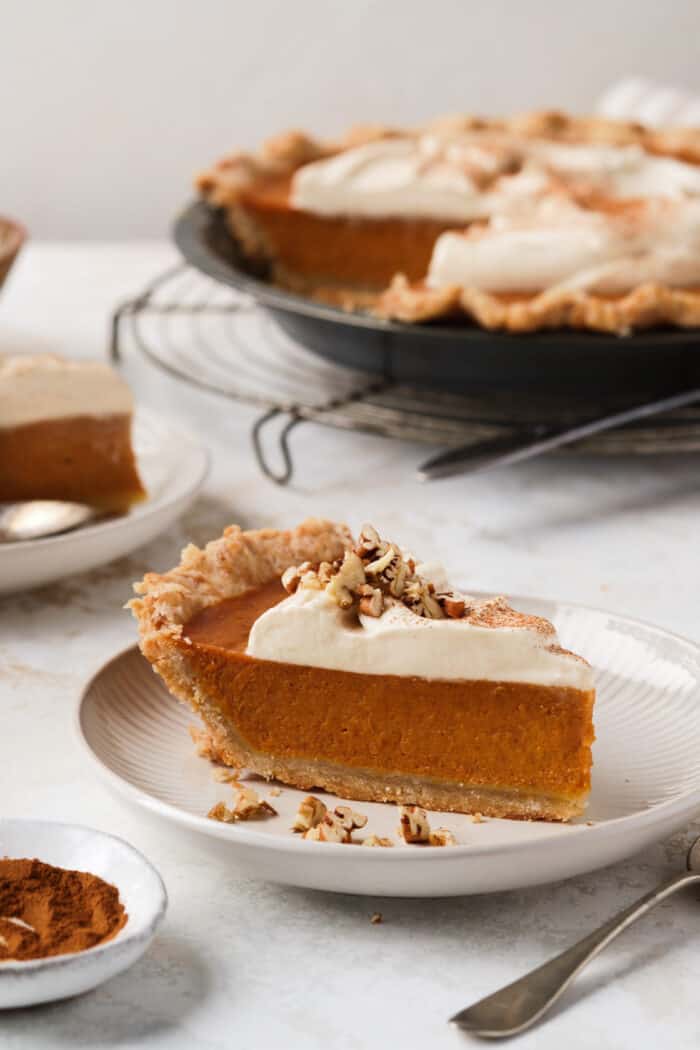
(51, 911)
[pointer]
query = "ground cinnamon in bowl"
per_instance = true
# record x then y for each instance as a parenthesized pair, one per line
(46, 910)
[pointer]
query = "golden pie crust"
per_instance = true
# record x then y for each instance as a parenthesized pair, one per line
(646, 306)
(366, 737)
(252, 190)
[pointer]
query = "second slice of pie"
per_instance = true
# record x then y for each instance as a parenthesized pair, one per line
(65, 433)
(329, 662)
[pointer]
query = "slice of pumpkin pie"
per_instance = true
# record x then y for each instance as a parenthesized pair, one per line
(65, 433)
(328, 662)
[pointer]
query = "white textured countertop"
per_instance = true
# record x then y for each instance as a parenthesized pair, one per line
(261, 966)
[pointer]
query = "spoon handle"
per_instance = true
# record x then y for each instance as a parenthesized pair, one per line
(519, 1004)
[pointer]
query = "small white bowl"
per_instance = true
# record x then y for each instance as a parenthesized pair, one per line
(78, 848)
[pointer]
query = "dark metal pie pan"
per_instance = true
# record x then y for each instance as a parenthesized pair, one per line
(462, 358)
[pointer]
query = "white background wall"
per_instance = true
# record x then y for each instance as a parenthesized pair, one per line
(106, 108)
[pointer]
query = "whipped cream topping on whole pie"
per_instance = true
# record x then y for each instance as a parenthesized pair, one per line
(410, 177)
(619, 172)
(378, 612)
(44, 387)
(559, 243)
(473, 176)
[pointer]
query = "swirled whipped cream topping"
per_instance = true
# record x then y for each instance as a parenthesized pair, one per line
(35, 387)
(619, 172)
(354, 623)
(394, 178)
(557, 244)
(460, 177)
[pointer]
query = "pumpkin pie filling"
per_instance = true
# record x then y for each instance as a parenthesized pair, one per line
(315, 251)
(503, 747)
(65, 433)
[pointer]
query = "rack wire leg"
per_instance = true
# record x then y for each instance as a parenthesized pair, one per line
(284, 476)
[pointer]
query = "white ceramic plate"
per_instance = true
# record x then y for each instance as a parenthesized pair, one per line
(646, 776)
(82, 849)
(173, 465)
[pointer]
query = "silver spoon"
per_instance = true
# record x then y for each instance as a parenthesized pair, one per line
(523, 1002)
(33, 519)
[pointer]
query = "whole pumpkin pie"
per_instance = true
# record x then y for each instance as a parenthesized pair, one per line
(335, 663)
(65, 433)
(542, 220)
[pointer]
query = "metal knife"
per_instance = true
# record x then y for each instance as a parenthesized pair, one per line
(515, 448)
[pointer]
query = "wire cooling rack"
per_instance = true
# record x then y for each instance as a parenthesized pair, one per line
(208, 335)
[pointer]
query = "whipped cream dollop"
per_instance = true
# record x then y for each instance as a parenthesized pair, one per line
(559, 244)
(460, 177)
(394, 177)
(617, 171)
(310, 628)
(40, 387)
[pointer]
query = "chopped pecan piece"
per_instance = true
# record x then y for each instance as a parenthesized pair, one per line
(371, 600)
(330, 829)
(249, 805)
(368, 542)
(222, 813)
(414, 825)
(291, 577)
(310, 813)
(453, 606)
(441, 837)
(418, 597)
(380, 564)
(349, 819)
(349, 577)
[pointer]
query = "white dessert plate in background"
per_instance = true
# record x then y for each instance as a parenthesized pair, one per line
(646, 775)
(173, 465)
(78, 848)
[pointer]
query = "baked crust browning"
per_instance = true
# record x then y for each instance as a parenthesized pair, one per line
(644, 307)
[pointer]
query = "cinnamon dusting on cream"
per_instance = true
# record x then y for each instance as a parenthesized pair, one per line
(378, 611)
